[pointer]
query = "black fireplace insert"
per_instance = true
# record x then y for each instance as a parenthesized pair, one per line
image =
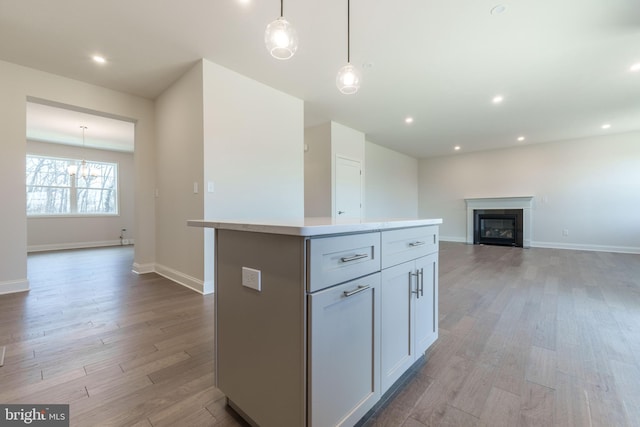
(498, 227)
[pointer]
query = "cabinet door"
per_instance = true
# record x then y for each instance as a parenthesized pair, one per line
(397, 353)
(426, 303)
(344, 348)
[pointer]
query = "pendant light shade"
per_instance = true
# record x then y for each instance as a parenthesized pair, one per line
(281, 38)
(348, 78)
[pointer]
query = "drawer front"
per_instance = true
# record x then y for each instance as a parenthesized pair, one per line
(338, 259)
(405, 244)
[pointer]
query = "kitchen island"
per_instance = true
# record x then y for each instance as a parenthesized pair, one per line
(316, 319)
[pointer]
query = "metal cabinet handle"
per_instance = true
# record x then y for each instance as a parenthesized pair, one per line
(359, 289)
(414, 244)
(421, 276)
(353, 257)
(417, 291)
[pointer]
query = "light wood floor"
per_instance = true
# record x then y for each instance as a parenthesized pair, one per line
(527, 337)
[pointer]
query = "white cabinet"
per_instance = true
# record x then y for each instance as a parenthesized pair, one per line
(339, 317)
(409, 307)
(344, 347)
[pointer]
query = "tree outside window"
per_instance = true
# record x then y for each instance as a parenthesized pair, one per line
(58, 186)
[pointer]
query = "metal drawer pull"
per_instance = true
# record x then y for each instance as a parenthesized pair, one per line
(421, 275)
(356, 291)
(414, 244)
(353, 258)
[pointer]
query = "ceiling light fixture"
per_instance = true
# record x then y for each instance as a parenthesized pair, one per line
(280, 37)
(457, 148)
(499, 9)
(348, 78)
(606, 126)
(635, 67)
(521, 138)
(84, 168)
(497, 99)
(408, 120)
(99, 59)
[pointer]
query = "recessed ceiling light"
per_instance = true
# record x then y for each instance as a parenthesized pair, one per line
(99, 59)
(606, 126)
(497, 99)
(521, 138)
(499, 9)
(408, 120)
(457, 147)
(635, 67)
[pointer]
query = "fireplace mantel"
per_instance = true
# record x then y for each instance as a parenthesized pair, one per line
(521, 202)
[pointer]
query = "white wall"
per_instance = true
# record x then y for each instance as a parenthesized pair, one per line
(16, 84)
(590, 187)
(317, 171)
(253, 153)
(391, 187)
(253, 148)
(52, 233)
(218, 127)
(179, 129)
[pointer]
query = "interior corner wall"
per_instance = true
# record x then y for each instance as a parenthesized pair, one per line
(317, 171)
(589, 187)
(180, 183)
(391, 187)
(16, 84)
(253, 148)
(54, 233)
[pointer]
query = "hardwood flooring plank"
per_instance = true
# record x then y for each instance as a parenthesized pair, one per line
(502, 409)
(541, 367)
(557, 329)
(537, 406)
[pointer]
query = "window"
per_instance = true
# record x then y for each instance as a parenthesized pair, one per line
(71, 187)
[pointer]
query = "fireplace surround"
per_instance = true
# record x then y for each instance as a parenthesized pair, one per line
(506, 205)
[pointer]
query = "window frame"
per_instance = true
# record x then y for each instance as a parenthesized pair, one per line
(73, 189)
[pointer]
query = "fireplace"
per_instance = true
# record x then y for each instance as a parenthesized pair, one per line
(498, 227)
(521, 206)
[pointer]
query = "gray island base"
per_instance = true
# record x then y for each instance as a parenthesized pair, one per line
(316, 320)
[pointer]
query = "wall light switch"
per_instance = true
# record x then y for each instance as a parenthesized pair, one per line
(195, 188)
(251, 278)
(210, 187)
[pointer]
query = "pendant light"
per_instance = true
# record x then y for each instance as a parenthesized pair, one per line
(84, 169)
(348, 78)
(280, 37)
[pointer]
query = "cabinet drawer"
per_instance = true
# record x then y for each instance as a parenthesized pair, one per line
(405, 244)
(334, 260)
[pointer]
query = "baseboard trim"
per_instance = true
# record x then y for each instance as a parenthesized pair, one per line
(181, 278)
(75, 245)
(144, 268)
(453, 239)
(13, 286)
(582, 247)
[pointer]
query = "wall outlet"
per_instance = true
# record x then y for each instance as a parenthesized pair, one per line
(251, 278)
(565, 232)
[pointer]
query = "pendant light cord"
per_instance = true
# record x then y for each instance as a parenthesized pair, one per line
(348, 31)
(281, 8)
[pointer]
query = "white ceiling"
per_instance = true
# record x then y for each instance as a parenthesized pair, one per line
(60, 125)
(562, 66)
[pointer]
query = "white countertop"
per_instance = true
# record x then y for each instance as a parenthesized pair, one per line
(313, 226)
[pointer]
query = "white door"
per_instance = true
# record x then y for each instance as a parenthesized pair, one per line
(348, 189)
